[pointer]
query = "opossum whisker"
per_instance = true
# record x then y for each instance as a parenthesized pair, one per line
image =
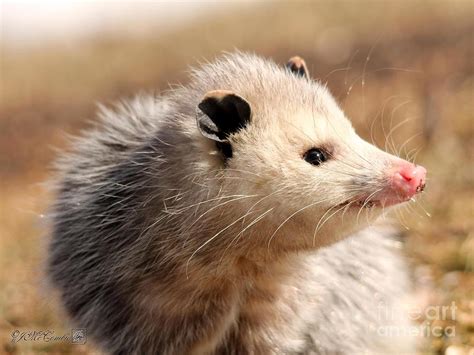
(403, 146)
(264, 198)
(367, 199)
(210, 240)
(372, 124)
(367, 215)
(325, 79)
(394, 129)
(345, 143)
(383, 212)
(380, 115)
(243, 171)
(367, 59)
(399, 69)
(401, 218)
(346, 79)
(230, 178)
(185, 208)
(219, 173)
(408, 155)
(340, 172)
(353, 193)
(291, 216)
(351, 86)
(382, 125)
(348, 161)
(255, 221)
(316, 229)
(428, 214)
(348, 205)
(410, 207)
(351, 59)
(374, 71)
(412, 154)
(346, 183)
(417, 151)
(217, 206)
(388, 140)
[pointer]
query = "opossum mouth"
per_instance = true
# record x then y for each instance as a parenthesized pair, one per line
(367, 202)
(361, 203)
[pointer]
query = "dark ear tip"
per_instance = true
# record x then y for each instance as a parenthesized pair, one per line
(297, 65)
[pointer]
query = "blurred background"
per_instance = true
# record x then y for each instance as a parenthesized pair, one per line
(402, 71)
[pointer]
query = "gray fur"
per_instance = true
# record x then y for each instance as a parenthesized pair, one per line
(137, 201)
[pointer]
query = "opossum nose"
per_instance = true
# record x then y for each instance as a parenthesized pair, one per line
(409, 179)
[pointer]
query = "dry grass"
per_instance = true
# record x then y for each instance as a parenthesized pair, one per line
(385, 62)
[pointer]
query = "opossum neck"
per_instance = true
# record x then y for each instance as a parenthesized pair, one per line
(232, 297)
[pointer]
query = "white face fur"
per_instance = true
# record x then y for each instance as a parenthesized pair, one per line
(313, 176)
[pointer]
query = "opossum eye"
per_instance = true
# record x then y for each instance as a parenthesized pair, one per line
(315, 156)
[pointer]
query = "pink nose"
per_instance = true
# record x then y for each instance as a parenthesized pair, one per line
(408, 179)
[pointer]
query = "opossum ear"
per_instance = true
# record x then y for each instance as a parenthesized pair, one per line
(222, 113)
(297, 66)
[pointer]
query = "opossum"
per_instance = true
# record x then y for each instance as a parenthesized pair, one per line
(233, 215)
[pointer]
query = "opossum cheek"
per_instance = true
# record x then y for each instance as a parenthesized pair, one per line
(405, 180)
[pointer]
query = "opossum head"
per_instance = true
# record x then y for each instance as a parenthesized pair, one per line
(280, 137)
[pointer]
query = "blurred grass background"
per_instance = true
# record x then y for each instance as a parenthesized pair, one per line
(402, 71)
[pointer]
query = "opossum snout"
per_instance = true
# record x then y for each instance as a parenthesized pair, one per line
(407, 180)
